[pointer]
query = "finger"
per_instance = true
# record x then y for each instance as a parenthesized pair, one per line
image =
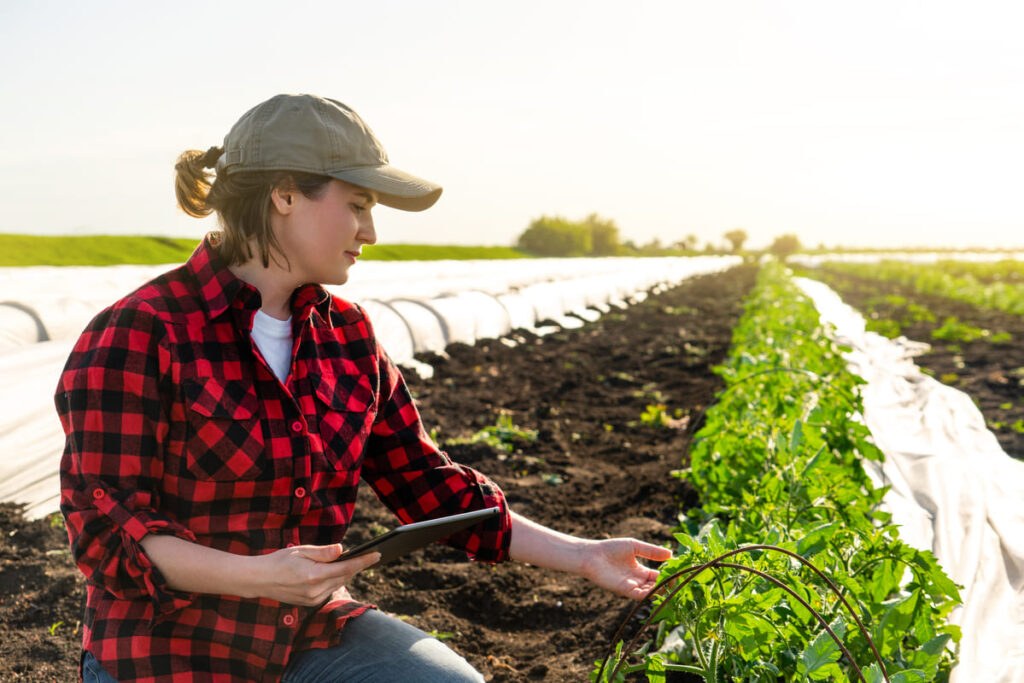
(320, 553)
(651, 552)
(339, 573)
(636, 592)
(644, 586)
(345, 569)
(361, 562)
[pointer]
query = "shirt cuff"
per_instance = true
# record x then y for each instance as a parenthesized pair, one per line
(489, 540)
(133, 526)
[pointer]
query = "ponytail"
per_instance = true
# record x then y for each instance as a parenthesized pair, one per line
(240, 199)
(192, 182)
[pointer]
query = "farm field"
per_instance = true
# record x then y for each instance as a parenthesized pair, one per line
(997, 286)
(973, 353)
(610, 403)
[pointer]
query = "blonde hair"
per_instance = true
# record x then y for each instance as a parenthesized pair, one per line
(241, 201)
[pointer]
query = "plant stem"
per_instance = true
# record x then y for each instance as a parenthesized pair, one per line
(694, 570)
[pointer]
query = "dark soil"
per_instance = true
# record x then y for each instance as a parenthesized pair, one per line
(594, 470)
(991, 373)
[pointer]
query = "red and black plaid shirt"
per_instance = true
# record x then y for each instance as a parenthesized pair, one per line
(176, 425)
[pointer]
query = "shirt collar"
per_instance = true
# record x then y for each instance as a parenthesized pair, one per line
(219, 288)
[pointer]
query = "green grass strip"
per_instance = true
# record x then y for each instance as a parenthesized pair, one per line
(92, 250)
(106, 250)
(437, 252)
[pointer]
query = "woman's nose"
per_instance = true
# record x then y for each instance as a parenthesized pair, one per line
(367, 232)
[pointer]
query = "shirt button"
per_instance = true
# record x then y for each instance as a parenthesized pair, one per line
(98, 493)
(300, 492)
(296, 426)
(288, 620)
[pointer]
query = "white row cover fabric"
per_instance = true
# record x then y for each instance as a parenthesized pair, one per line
(31, 440)
(954, 490)
(63, 299)
(470, 299)
(428, 329)
(19, 326)
(414, 306)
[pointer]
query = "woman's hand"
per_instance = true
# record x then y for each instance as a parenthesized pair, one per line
(612, 564)
(306, 574)
(301, 575)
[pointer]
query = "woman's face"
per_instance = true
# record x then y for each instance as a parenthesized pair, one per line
(323, 236)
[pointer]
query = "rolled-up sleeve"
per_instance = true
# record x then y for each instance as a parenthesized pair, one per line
(418, 481)
(111, 405)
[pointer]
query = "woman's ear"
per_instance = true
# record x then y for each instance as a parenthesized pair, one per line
(283, 199)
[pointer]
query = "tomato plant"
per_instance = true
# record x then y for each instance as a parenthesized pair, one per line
(790, 546)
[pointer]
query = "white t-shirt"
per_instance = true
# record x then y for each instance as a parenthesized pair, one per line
(274, 339)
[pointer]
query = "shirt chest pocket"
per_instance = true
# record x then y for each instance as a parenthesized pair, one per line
(345, 409)
(223, 435)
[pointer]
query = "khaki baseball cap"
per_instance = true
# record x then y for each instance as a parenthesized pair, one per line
(323, 136)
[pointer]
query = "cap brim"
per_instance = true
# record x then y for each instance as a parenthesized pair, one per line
(395, 188)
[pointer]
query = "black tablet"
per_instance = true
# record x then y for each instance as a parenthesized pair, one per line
(409, 537)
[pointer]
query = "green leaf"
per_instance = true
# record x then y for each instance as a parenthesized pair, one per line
(896, 623)
(873, 674)
(796, 437)
(830, 672)
(814, 462)
(929, 656)
(686, 541)
(927, 562)
(884, 580)
(749, 632)
(822, 651)
(711, 534)
(655, 669)
(953, 630)
(909, 676)
(816, 539)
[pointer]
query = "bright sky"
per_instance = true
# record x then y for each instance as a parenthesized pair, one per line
(870, 123)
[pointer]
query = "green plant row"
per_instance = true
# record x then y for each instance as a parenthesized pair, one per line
(789, 570)
(1007, 270)
(890, 314)
(996, 286)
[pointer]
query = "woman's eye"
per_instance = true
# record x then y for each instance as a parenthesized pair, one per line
(358, 209)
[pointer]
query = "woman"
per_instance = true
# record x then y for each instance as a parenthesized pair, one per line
(220, 418)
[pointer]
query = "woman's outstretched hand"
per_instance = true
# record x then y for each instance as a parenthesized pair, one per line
(613, 564)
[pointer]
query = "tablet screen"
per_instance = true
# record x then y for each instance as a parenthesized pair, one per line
(409, 537)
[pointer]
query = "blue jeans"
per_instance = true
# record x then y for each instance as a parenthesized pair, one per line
(374, 648)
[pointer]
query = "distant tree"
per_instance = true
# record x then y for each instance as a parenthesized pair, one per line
(653, 247)
(784, 246)
(555, 236)
(688, 243)
(710, 248)
(604, 235)
(736, 238)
